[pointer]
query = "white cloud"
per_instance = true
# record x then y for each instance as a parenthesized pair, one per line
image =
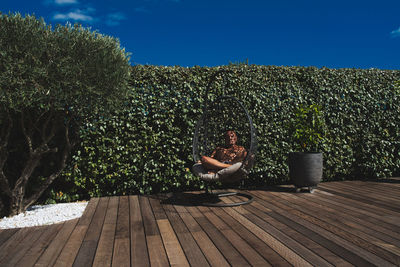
(114, 19)
(142, 10)
(65, 2)
(76, 15)
(396, 33)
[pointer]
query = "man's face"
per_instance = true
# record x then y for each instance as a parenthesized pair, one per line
(230, 138)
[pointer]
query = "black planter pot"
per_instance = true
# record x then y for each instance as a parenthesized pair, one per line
(305, 169)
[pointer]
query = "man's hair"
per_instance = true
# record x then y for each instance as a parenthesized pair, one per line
(228, 131)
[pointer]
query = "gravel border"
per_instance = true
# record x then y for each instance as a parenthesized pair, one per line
(44, 215)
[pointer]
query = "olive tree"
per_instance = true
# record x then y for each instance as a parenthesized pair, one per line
(52, 80)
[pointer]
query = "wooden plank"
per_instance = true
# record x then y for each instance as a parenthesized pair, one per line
(158, 211)
(94, 230)
(19, 251)
(31, 256)
(345, 192)
(139, 254)
(340, 224)
(175, 254)
(88, 213)
(262, 248)
(149, 221)
(13, 241)
(86, 253)
(156, 250)
(372, 194)
(299, 233)
(191, 249)
(71, 249)
(240, 244)
(263, 234)
(51, 253)
(363, 211)
(121, 254)
(224, 246)
(217, 222)
(295, 243)
(189, 221)
(122, 230)
(275, 228)
(105, 246)
(355, 255)
(384, 189)
(112, 210)
(337, 224)
(5, 234)
(87, 250)
(367, 219)
(361, 227)
(212, 254)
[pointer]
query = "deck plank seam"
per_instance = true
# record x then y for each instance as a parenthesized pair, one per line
(167, 212)
(311, 219)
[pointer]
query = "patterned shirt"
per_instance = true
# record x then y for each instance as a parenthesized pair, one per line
(232, 154)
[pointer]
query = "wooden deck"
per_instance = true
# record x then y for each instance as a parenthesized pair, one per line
(342, 223)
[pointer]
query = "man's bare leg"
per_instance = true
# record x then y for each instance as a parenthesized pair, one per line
(213, 164)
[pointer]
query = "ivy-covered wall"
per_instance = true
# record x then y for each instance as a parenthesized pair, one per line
(147, 147)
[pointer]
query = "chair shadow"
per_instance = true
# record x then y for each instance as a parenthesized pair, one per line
(198, 199)
(276, 188)
(188, 199)
(284, 188)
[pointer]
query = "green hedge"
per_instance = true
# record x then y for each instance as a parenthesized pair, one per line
(146, 147)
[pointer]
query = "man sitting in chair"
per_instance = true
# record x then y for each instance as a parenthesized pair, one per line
(223, 157)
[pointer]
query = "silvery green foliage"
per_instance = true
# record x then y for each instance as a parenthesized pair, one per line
(65, 67)
(51, 81)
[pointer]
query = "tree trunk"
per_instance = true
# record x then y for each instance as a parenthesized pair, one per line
(18, 193)
(13, 198)
(16, 206)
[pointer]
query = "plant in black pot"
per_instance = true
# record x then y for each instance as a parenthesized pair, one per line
(308, 130)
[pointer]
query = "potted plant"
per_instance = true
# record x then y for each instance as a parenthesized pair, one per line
(307, 130)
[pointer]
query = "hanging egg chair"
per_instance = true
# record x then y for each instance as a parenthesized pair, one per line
(224, 113)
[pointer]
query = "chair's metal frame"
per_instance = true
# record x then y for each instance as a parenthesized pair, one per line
(248, 161)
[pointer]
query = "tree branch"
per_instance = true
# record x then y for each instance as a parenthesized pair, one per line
(35, 154)
(27, 136)
(41, 127)
(30, 166)
(45, 138)
(39, 191)
(6, 131)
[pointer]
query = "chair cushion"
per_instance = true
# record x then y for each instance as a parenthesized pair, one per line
(220, 175)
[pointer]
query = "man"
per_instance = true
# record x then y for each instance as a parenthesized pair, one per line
(223, 157)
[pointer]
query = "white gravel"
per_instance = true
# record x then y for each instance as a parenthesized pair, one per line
(44, 215)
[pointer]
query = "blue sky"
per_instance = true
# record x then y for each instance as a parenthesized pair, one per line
(335, 34)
